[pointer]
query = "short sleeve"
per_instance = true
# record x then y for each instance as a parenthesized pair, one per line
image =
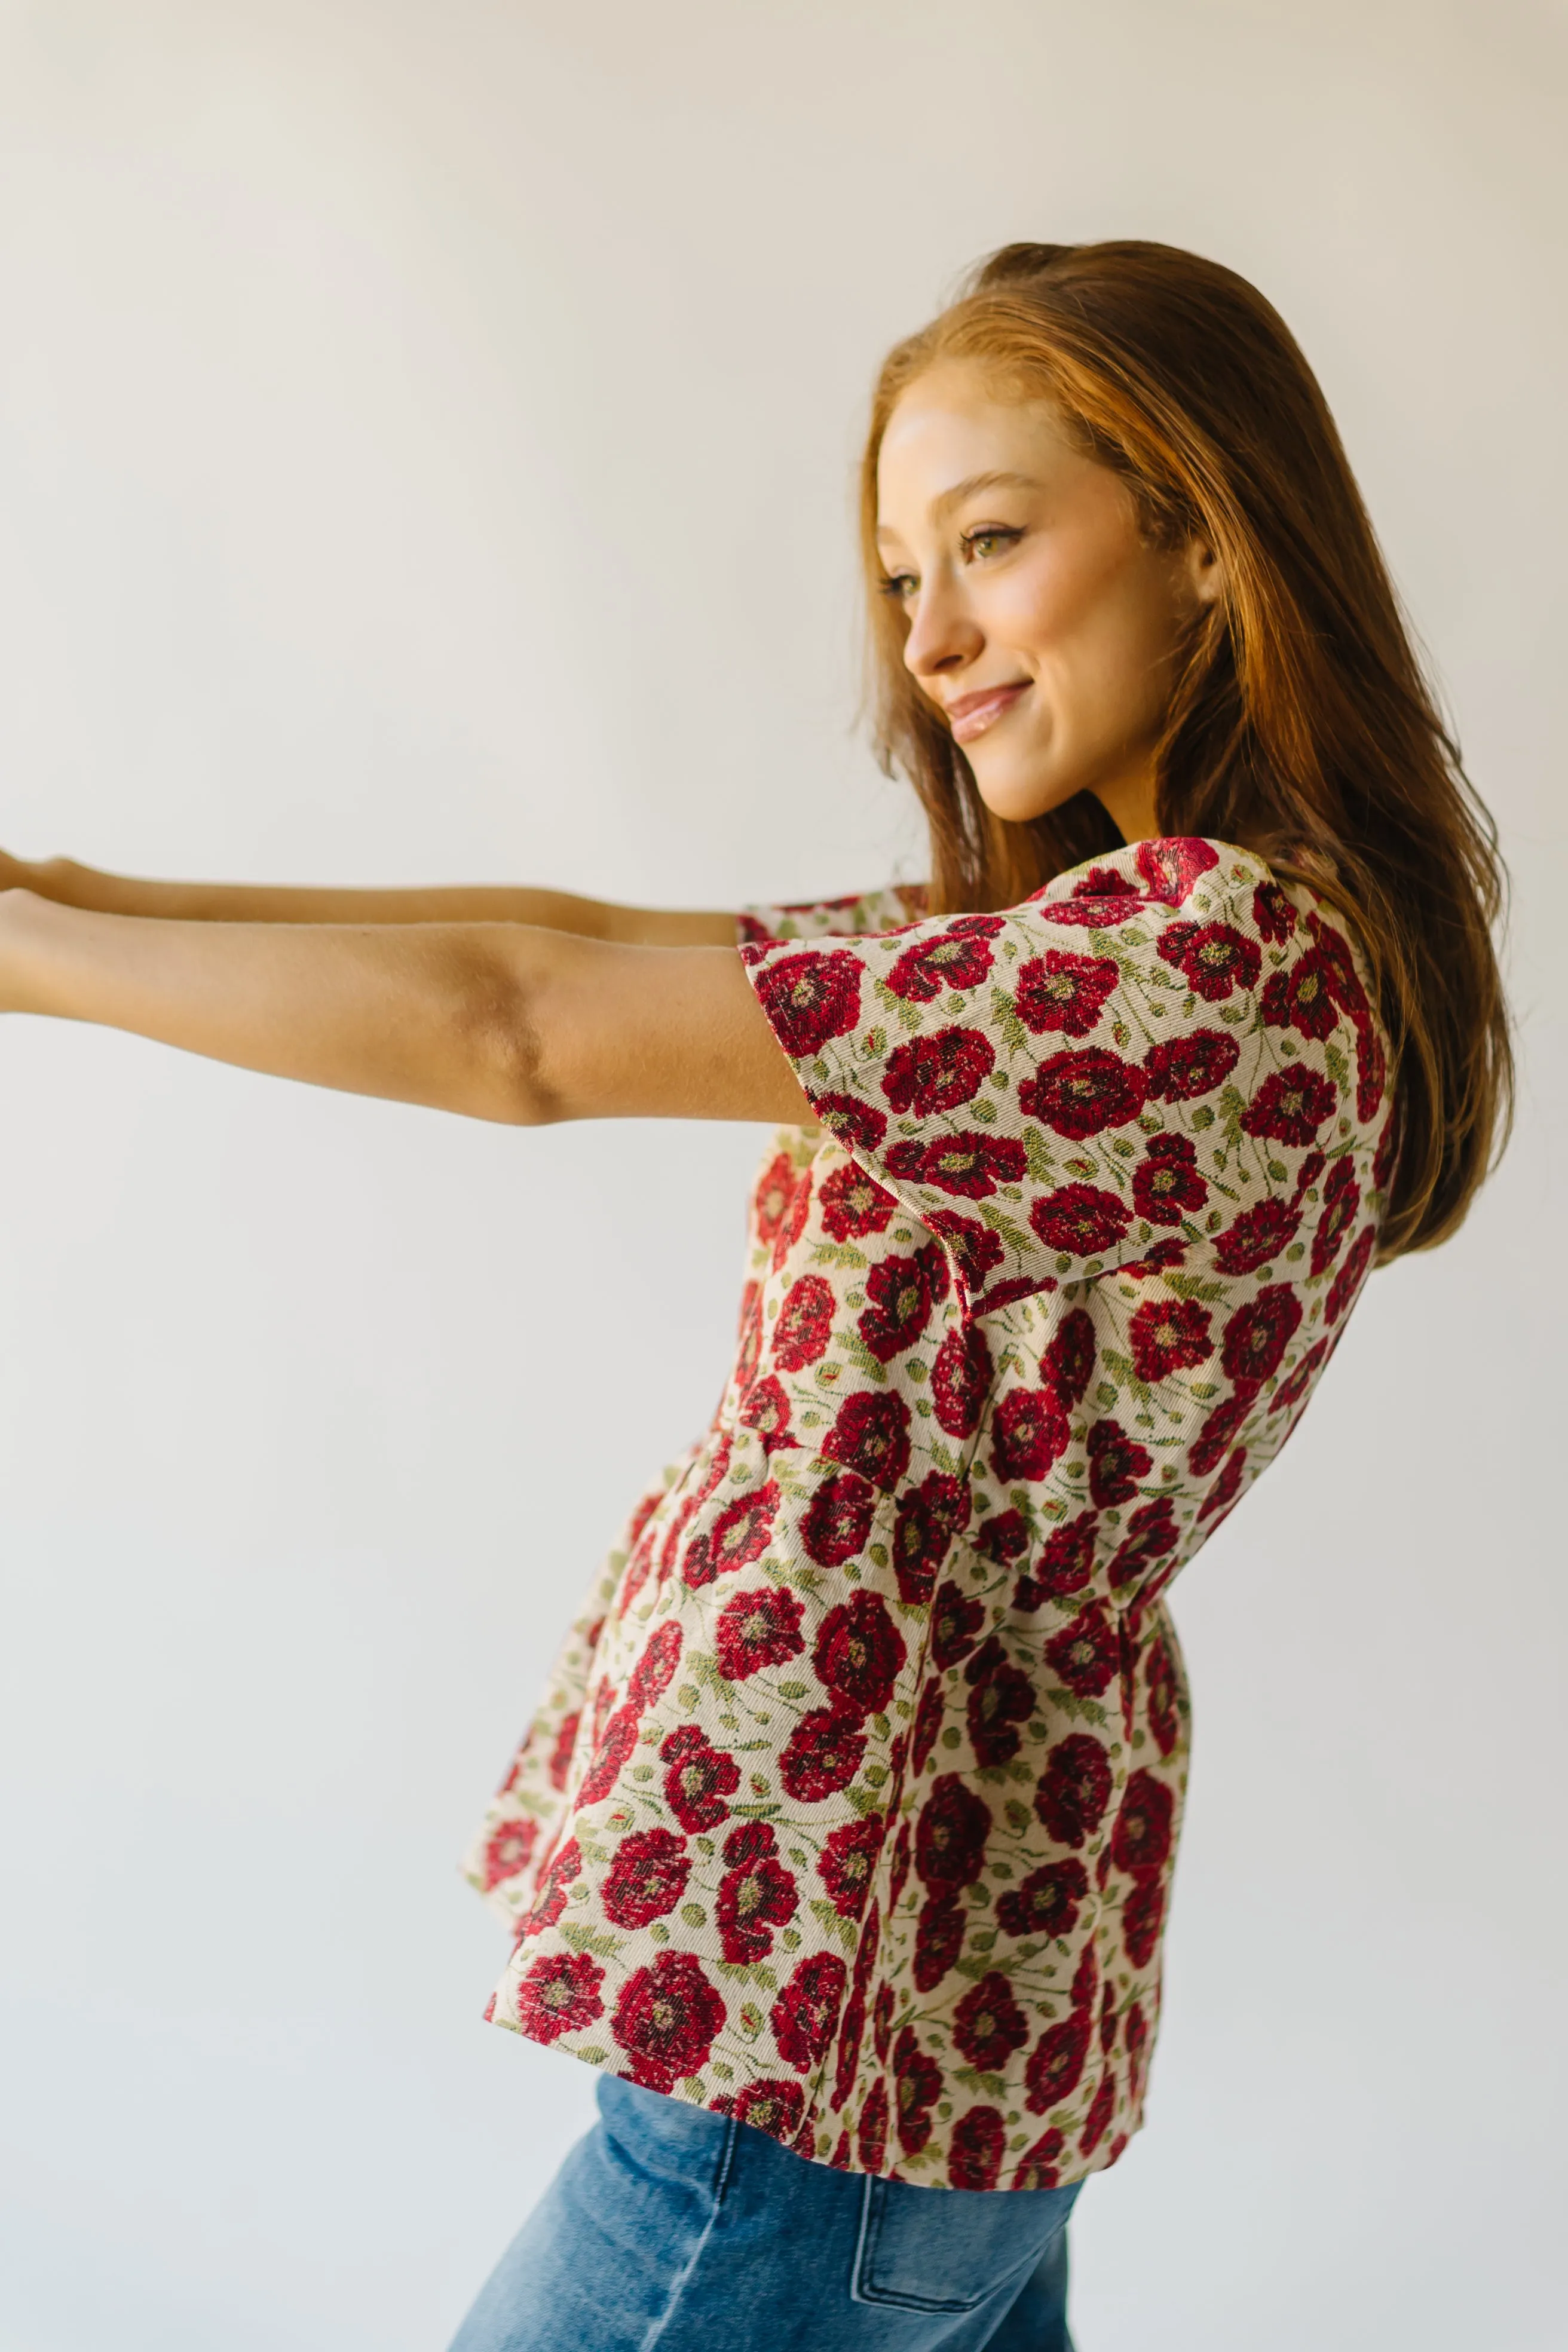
(1149, 1048)
(863, 915)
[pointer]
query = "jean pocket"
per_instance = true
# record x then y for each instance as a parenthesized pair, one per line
(951, 2249)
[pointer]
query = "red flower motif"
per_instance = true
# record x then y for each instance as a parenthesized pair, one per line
(1341, 1203)
(806, 2011)
(1371, 1070)
(1081, 1092)
(1004, 1538)
(928, 1517)
(1215, 958)
(960, 1380)
(975, 2151)
(1086, 1653)
(1226, 1487)
(619, 1738)
(767, 1410)
(938, 1940)
(1100, 2111)
(1116, 1462)
(757, 1629)
(1037, 2166)
(805, 1324)
(971, 1164)
(1064, 1566)
(1151, 1533)
(1159, 1678)
(647, 1879)
(859, 1126)
(951, 1834)
(1272, 913)
(1290, 1106)
(854, 1204)
(1142, 1915)
(549, 1900)
(508, 1850)
(957, 958)
(1290, 1390)
(1168, 1335)
(1046, 1902)
(822, 1753)
(851, 2029)
(988, 2024)
(871, 2137)
(1257, 1235)
(916, 2085)
(794, 1223)
(1074, 1789)
(955, 1623)
(775, 1190)
(882, 2021)
(666, 2019)
(655, 1670)
(1259, 1331)
(870, 1433)
(1064, 992)
(1349, 1279)
(1179, 1069)
(838, 1519)
(1137, 2040)
(775, 2107)
(699, 1777)
(927, 1723)
(1056, 2062)
(1029, 1433)
(1335, 950)
(1301, 997)
(1166, 1180)
(755, 1895)
(858, 1653)
(973, 1247)
(809, 998)
(740, 1534)
(1141, 1839)
(900, 1293)
(937, 1071)
(1172, 865)
(848, 1861)
(1082, 1219)
(560, 1994)
(1213, 1440)
(1000, 1697)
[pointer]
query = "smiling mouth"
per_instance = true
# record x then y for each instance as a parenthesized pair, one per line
(972, 714)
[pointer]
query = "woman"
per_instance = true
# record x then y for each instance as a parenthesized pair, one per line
(842, 1843)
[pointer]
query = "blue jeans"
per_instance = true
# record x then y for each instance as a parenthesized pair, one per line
(671, 2227)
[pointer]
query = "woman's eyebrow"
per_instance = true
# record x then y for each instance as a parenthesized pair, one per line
(945, 500)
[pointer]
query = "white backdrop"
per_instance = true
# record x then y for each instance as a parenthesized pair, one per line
(424, 444)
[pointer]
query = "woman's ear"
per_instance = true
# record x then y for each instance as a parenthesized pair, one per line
(1203, 574)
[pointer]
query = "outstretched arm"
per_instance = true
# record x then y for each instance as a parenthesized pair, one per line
(498, 1020)
(83, 887)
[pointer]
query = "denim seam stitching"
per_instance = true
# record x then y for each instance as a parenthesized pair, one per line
(861, 2288)
(677, 2286)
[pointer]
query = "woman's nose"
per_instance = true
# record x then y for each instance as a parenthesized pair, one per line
(943, 634)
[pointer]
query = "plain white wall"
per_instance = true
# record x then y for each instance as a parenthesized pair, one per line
(425, 444)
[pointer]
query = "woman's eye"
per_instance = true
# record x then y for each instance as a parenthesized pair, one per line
(982, 543)
(900, 585)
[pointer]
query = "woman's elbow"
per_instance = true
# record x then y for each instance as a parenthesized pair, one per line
(504, 1054)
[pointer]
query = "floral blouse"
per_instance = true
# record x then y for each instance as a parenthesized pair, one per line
(852, 1806)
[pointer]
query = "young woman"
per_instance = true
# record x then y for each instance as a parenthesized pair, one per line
(841, 1844)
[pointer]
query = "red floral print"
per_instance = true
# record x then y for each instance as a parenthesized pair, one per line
(758, 1629)
(1213, 1440)
(1348, 1280)
(655, 1670)
(1082, 1219)
(988, 2024)
(960, 1380)
(1142, 1915)
(810, 998)
(740, 1534)
(1080, 1093)
(1069, 1356)
(806, 2011)
(937, 1072)
(1100, 2113)
(1166, 1182)
(647, 1877)
(938, 1940)
(854, 1206)
(1031, 1433)
(870, 1433)
(927, 1519)
(955, 1623)
(551, 1898)
(1342, 1205)
(1168, 1335)
(822, 1753)
(847, 1860)
(805, 1324)
(1259, 1331)
(973, 1247)
(872, 2132)
(1057, 2061)
(560, 1994)
(1152, 1532)
(1290, 1106)
(1257, 1237)
(1001, 1697)
(666, 2019)
(699, 1777)
(757, 1894)
(917, 2085)
(1086, 1653)
(619, 1738)
(1115, 1464)
(1141, 1839)
(1064, 992)
(765, 1409)
(1302, 998)
(768, 2107)
(1064, 1566)
(1046, 1902)
(858, 1653)
(951, 1834)
(837, 1520)
(971, 1164)
(958, 957)
(900, 1293)
(1213, 958)
(979, 2143)
(1179, 1069)
(507, 1850)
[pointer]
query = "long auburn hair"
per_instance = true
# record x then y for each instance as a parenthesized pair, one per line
(1302, 726)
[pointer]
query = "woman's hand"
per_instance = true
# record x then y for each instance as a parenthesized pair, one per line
(496, 1020)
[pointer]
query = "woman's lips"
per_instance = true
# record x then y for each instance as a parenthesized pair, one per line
(972, 714)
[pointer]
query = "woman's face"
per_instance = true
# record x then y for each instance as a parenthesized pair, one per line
(1040, 622)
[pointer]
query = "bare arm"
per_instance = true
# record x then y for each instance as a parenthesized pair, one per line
(497, 1020)
(83, 887)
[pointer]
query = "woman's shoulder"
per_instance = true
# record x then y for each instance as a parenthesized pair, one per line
(863, 914)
